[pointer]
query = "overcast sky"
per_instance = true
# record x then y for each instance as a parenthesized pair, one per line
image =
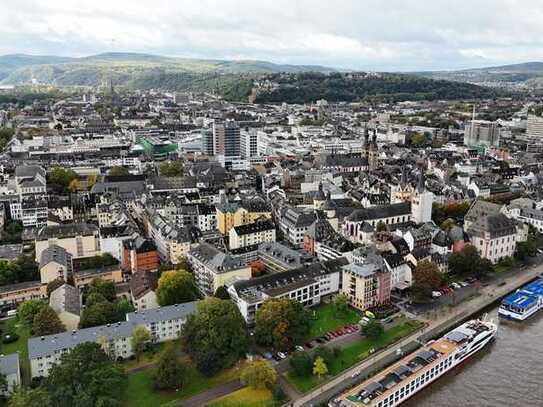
(359, 34)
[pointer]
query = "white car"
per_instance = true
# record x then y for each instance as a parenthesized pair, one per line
(436, 294)
(300, 348)
(281, 355)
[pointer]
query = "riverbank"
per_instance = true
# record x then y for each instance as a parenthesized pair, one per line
(441, 322)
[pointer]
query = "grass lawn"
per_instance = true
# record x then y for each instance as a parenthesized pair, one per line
(353, 354)
(140, 392)
(246, 397)
(20, 345)
(150, 356)
(326, 319)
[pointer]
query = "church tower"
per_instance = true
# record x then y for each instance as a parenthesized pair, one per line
(372, 152)
(421, 203)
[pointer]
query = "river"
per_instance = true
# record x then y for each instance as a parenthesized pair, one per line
(508, 373)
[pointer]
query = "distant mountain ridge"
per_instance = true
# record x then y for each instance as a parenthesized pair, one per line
(90, 70)
(524, 75)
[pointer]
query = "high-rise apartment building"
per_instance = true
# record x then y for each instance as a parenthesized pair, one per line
(535, 126)
(226, 139)
(249, 143)
(208, 143)
(482, 133)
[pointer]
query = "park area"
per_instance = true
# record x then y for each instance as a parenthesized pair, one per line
(326, 318)
(140, 391)
(13, 326)
(352, 354)
(246, 397)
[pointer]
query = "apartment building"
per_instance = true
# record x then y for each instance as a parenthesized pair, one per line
(212, 268)
(78, 239)
(252, 234)
(367, 285)
(13, 294)
(307, 285)
(163, 323)
(494, 236)
(140, 254)
(230, 214)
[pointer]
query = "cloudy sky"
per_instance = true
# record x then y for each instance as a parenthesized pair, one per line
(358, 34)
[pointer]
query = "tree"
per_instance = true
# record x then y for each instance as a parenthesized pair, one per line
(171, 169)
(175, 287)
(91, 181)
(118, 171)
(28, 397)
(469, 262)
(169, 373)
(281, 323)
(94, 298)
(418, 139)
(447, 224)
(259, 374)
(3, 383)
(320, 368)
(59, 179)
(53, 285)
(324, 353)
(373, 330)
(47, 322)
(215, 335)
(106, 288)
(526, 249)
(86, 377)
(74, 185)
(123, 307)
(427, 278)
(140, 338)
(301, 364)
(222, 293)
(27, 311)
(381, 227)
(341, 303)
(257, 268)
(100, 313)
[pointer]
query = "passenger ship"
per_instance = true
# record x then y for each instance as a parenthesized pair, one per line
(414, 372)
(523, 303)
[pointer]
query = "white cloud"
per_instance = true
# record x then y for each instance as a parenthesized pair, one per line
(363, 34)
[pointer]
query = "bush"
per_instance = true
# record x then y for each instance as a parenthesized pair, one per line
(278, 394)
(10, 337)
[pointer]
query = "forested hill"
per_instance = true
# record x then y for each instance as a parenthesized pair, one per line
(349, 87)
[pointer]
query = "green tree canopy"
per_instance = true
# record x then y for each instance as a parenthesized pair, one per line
(169, 373)
(171, 169)
(468, 262)
(100, 313)
(373, 329)
(301, 364)
(281, 323)
(47, 322)
(222, 293)
(86, 377)
(319, 367)
(259, 374)
(59, 179)
(175, 287)
(53, 285)
(140, 338)
(27, 311)
(28, 397)
(427, 278)
(104, 287)
(341, 303)
(215, 335)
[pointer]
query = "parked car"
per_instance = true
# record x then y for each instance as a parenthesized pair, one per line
(321, 340)
(268, 355)
(309, 345)
(456, 285)
(299, 348)
(364, 321)
(436, 294)
(281, 355)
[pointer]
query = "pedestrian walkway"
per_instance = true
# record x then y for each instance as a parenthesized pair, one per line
(207, 396)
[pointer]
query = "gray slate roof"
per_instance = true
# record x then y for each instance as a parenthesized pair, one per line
(9, 364)
(56, 254)
(177, 311)
(66, 298)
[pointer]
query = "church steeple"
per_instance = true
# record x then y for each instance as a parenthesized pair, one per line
(422, 182)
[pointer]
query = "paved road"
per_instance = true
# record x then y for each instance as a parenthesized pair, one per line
(205, 397)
